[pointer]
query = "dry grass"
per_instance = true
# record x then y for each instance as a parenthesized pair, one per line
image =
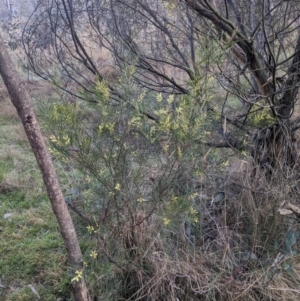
(232, 257)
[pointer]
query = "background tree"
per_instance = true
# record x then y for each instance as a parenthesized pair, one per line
(264, 46)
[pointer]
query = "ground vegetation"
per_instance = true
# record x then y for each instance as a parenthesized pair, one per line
(177, 127)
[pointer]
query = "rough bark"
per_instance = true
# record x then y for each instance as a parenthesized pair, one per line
(21, 100)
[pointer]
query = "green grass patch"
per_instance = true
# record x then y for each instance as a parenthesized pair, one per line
(32, 253)
(5, 167)
(32, 250)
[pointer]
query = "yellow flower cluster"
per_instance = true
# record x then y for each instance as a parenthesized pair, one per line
(109, 126)
(61, 141)
(78, 276)
(63, 112)
(94, 254)
(102, 89)
(194, 214)
(166, 221)
(91, 229)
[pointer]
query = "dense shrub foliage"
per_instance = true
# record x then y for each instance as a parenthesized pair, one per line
(163, 214)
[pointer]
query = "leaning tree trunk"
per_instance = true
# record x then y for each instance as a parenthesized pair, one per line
(277, 145)
(275, 148)
(20, 99)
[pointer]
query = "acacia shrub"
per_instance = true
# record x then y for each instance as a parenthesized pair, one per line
(163, 215)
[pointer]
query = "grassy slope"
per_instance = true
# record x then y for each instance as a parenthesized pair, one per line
(31, 249)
